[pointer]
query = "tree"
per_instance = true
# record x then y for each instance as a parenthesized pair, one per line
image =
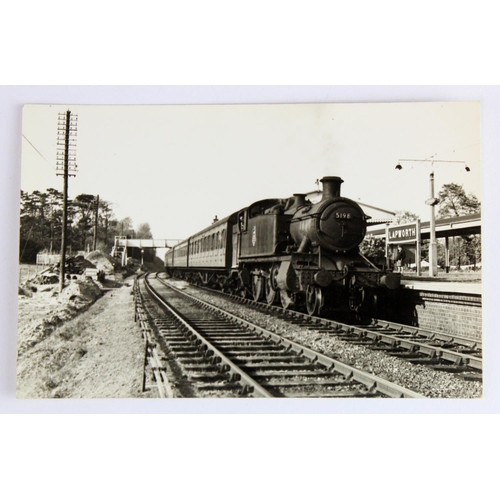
(453, 201)
(38, 219)
(143, 231)
(125, 227)
(404, 216)
(55, 209)
(84, 206)
(41, 223)
(105, 216)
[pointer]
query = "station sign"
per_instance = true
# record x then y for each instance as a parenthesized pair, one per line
(403, 233)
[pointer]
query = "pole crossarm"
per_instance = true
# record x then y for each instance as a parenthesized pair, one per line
(432, 160)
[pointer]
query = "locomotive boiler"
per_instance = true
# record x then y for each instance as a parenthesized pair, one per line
(302, 254)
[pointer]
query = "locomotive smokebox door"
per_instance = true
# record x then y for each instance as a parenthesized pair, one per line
(342, 225)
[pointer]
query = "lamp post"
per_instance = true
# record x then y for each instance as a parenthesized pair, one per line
(432, 202)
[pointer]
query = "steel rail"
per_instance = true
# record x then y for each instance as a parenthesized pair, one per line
(372, 382)
(394, 340)
(150, 351)
(244, 379)
(429, 334)
(415, 347)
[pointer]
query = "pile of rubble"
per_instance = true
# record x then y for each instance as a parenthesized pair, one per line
(96, 264)
(51, 309)
(103, 261)
(47, 278)
(73, 265)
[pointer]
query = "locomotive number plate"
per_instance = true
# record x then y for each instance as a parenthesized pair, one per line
(342, 215)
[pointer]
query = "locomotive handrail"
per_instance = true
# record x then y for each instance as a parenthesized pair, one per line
(369, 262)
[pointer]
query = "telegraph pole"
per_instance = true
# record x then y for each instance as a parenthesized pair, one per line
(95, 222)
(66, 166)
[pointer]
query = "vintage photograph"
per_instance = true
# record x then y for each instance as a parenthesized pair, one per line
(250, 251)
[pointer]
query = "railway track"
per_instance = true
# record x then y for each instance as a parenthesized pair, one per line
(217, 354)
(439, 351)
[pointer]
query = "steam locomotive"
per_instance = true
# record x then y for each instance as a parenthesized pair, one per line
(293, 251)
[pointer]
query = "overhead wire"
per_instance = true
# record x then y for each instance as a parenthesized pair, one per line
(31, 144)
(457, 149)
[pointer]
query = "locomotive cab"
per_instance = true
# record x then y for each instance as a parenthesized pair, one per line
(263, 229)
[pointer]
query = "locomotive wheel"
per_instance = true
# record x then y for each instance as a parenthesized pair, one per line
(287, 299)
(270, 293)
(271, 286)
(314, 300)
(257, 288)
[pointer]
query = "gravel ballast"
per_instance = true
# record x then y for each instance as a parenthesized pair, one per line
(419, 378)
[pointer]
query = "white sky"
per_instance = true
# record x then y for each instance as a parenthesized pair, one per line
(178, 166)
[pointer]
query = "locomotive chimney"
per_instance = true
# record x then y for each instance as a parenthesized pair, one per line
(331, 187)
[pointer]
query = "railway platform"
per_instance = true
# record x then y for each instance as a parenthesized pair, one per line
(437, 285)
(451, 303)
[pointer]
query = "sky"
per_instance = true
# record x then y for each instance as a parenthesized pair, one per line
(177, 166)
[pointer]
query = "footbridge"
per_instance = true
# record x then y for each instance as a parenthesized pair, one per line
(123, 247)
